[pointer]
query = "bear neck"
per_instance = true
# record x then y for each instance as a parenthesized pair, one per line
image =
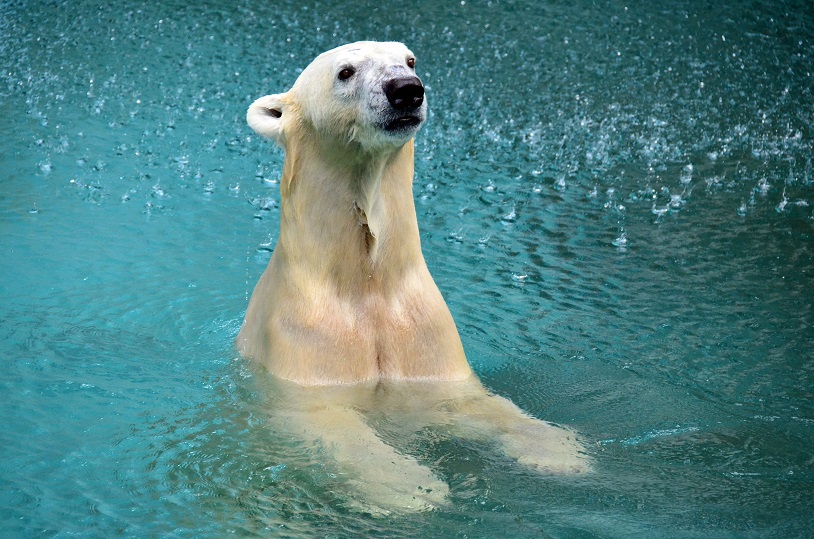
(348, 216)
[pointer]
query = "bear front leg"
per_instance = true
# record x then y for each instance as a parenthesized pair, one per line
(540, 445)
(383, 480)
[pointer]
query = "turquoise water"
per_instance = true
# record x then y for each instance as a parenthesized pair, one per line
(617, 201)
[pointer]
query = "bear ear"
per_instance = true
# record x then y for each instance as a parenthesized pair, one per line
(268, 115)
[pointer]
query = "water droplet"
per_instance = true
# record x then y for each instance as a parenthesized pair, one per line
(686, 174)
(275, 471)
(621, 242)
(456, 236)
(782, 206)
(763, 186)
(659, 212)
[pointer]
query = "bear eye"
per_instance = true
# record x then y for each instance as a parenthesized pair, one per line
(346, 73)
(411, 63)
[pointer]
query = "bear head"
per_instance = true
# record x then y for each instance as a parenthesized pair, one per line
(364, 93)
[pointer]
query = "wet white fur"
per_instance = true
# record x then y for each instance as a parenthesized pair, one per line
(347, 303)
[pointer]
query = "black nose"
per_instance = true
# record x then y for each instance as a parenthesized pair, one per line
(404, 93)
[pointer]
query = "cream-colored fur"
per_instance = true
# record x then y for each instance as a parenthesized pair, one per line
(347, 303)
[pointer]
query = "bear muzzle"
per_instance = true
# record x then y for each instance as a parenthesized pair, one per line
(405, 95)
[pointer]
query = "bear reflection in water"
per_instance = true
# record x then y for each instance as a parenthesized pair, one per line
(346, 315)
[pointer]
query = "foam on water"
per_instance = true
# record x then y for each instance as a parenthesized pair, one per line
(617, 202)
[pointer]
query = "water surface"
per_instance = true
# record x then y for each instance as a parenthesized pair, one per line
(616, 200)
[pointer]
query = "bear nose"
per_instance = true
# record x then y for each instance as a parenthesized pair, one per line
(404, 93)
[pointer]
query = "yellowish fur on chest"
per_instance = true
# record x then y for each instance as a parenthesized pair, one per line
(347, 295)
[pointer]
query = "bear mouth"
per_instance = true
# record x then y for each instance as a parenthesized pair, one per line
(403, 123)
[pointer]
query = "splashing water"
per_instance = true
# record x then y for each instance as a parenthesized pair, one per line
(615, 200)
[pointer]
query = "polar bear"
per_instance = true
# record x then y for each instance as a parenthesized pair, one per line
(346, 316)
